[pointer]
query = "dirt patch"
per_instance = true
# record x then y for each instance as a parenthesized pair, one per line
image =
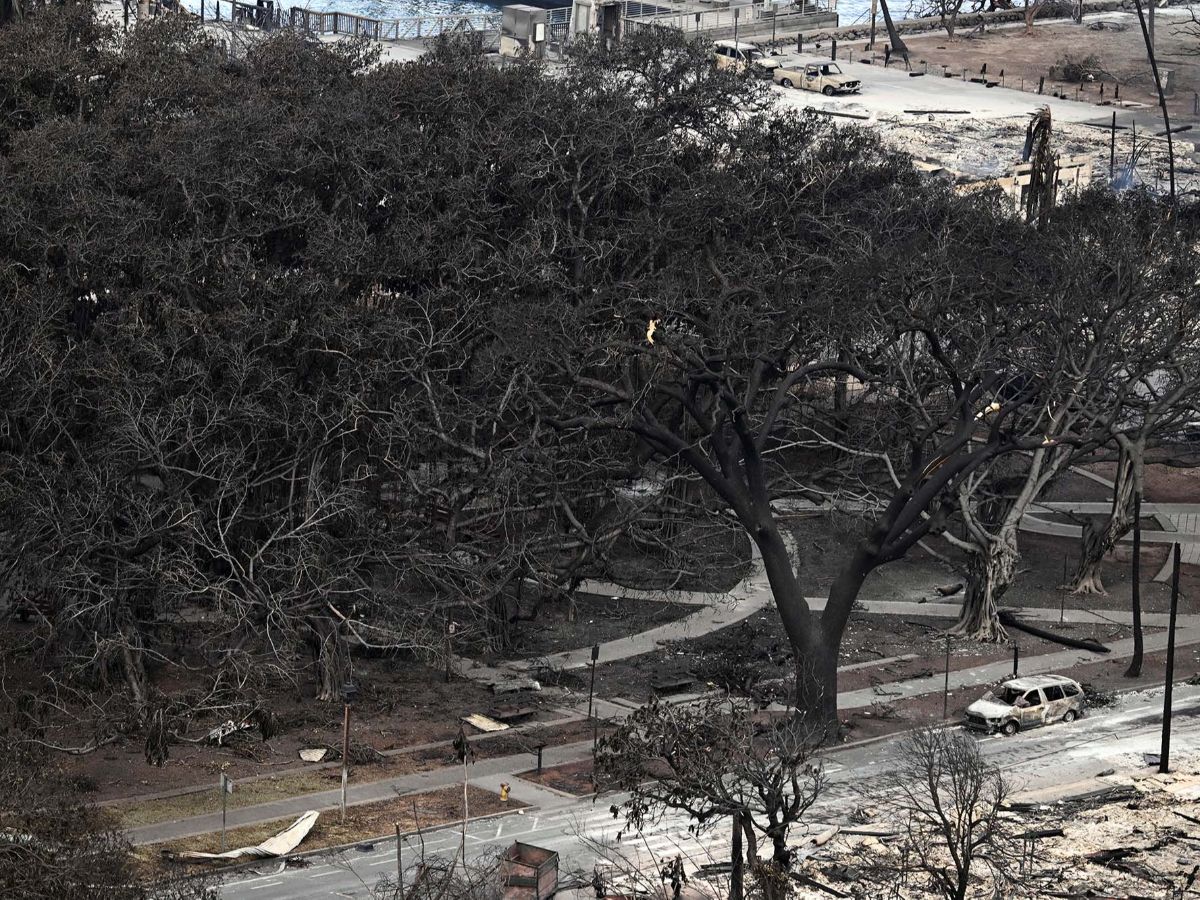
(892, 715)
(753, 657)
(1116, 51)
(368, 820)
(698, 555)
(592, 619)
(1047, 562)
(313, 780)
(572, 778)
(401, 704)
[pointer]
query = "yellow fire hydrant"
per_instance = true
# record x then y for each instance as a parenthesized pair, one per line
(503, 792)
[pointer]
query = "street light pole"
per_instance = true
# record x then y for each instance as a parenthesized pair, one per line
(349, 691)
(946, 686)
(592, 688)
(1164, 756)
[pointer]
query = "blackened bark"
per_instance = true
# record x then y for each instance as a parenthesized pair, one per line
(1135, 662)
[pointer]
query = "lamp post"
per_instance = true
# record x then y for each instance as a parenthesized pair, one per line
(349, 693)
(451, 628)
(592, 686)
(946, 686)
(1164, 756)
(226, 787)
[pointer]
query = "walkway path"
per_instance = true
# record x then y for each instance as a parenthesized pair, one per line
(488, 773)
(1181, 523)
(715, 610)
(753, 592)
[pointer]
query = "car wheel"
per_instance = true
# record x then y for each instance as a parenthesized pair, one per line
(828, 90)
(786, 82)
(1010, 728)
(1069, 716)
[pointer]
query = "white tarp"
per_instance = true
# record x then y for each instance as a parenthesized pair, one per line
(483, 723)
(280, 845)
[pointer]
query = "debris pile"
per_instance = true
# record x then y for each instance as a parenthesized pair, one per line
(1134, 836)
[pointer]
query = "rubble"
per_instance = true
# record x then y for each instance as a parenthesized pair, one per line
(1138, 836)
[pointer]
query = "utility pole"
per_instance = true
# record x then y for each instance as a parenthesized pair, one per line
(399, 863)
(349, 692)
(466, 754)
(1112, 149)
(1164, 756)
(874, 10)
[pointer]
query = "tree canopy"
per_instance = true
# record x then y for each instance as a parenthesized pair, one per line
(303, 351)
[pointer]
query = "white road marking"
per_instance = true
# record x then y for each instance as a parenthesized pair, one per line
(259, 887)
(252, 880)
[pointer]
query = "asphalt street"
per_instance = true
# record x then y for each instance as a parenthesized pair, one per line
(584, 832)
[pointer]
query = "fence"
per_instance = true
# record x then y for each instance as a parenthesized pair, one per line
(754, 20)
(268, 16)
(411, 29)
(558, 24)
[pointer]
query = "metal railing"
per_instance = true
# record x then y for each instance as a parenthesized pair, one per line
(269, 16)
(410, 29)
(558, 24)
(749, 21)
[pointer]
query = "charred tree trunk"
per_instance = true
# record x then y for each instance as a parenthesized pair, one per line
(989, 575)
(332, 662)
(816, 684)
(737, 889)
(133, 664)
(898, 46)
(1099, 542)
(1135, 661)
(814, 642)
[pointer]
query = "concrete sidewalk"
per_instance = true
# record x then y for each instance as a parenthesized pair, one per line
(489, 773)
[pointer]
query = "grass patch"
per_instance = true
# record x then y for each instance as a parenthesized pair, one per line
(247, 793)
(571, 778)
(135, 812)
(367, 820)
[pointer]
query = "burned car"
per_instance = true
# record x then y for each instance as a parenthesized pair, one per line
(1022, 703)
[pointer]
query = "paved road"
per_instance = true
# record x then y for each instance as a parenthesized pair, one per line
(887, 93)
(1038, 761)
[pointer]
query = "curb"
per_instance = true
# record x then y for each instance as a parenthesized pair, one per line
(396, 792)
(341, 848)
(320, 767)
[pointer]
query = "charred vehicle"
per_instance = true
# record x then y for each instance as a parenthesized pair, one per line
(1023, 703)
